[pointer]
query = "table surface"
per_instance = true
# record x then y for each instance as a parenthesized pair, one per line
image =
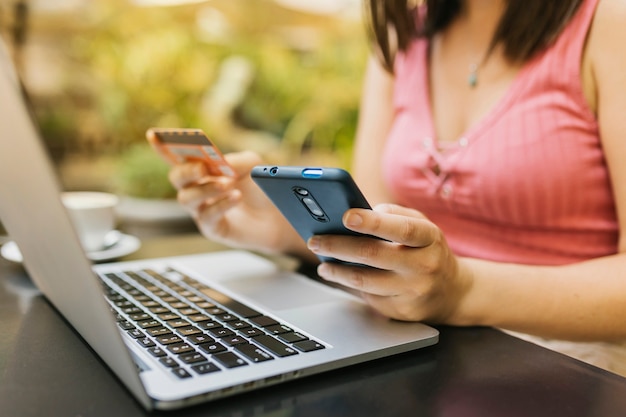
(47, 370)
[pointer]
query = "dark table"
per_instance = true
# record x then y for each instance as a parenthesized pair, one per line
(47, 370)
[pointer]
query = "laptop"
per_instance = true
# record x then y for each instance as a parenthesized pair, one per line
(187, 329)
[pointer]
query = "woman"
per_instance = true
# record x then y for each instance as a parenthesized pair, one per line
(501, 183)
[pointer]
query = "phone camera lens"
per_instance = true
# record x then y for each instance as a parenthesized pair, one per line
(313, 207)
(273, 171)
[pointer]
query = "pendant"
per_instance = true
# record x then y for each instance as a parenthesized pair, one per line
(472, 79)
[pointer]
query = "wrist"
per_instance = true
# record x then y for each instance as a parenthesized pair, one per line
(465, 310)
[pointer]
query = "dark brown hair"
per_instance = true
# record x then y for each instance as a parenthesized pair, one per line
(525, 28)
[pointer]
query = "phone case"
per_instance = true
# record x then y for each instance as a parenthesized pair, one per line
(313, 200)
(179, 145)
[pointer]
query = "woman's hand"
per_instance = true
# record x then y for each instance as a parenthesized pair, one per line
(415, 276)
(233, 211)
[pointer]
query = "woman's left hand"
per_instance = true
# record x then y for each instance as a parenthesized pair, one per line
(415, 275)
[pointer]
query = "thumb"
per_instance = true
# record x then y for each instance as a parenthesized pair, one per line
(243, 162)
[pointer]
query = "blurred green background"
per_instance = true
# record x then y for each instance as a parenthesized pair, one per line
(272, 76)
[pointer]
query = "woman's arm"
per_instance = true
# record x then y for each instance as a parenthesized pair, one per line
(585, 300)
(375, 117)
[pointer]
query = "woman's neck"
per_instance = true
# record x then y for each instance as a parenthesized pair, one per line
(480, 18)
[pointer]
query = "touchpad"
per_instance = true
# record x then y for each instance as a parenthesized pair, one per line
(282, 291)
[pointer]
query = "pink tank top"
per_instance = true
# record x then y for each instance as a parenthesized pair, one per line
(528, 183)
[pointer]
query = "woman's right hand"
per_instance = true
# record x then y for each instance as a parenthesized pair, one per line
(234, 211)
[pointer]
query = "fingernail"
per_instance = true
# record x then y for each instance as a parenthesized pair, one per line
(314, 243)
(353, 220)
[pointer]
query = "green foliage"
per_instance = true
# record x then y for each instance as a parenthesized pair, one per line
(134, 68)
(140, 172)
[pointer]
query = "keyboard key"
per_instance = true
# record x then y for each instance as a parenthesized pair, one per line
(169, 362)
(206, 325)
(292, 337)
(254, 353)
(212, 348)
(264, 321)
(126, 325)
(140, 316)
(159, 331)
(188, 331)
(157, 351)
(234, 340)
(199, 317)
(124, 303)
(308, 345)
(180, 348)
(169, 339)
(136, 333)
(198, 339)
(229, 359)
(178, 323)
(115, 298)
(146, 324)
(215, 311)
(228, 317)
(205, 368)
(278, 329)
(238, 325)
(276, 347)
(181, 373)
(252, 332)
(158, 310)
(221, 332)
(169, 316)
(145, 342)
(150, 303)
(193, 357)
(132, 310)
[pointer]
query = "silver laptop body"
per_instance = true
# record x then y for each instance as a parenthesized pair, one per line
(32, 213)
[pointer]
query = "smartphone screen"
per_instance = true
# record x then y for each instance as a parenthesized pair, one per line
(179, 145)
(313, 200)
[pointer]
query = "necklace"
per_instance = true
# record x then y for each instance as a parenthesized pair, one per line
(472, 78)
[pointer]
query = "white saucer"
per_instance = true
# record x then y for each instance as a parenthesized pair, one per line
(125, 246)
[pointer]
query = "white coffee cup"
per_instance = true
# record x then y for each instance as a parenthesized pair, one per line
(93, 216)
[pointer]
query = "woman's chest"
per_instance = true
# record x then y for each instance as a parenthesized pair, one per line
(527, 166)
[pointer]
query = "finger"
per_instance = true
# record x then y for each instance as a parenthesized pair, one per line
(193, 197)
(243, 162)
(195, 172)
(187, 174)
(366, 280)
(407, 227)
(399, 210)
(369, 251)
(211, 216)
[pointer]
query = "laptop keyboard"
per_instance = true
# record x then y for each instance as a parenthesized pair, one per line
(194, 329)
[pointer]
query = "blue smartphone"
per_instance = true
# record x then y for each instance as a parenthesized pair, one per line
(312, 199)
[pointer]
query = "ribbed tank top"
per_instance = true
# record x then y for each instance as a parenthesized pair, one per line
(528, 183)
